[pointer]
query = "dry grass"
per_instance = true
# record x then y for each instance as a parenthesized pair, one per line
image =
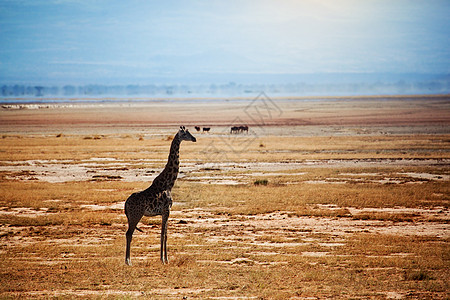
(289, 237)
(296, 198)
(240, 148)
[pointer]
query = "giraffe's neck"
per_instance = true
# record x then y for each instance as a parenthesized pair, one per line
(166, 179)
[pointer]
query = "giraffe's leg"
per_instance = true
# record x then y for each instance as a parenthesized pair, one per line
(165, 244)
(164, 258)
(131, 227)
(129, 236)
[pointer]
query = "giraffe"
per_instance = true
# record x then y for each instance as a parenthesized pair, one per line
(157, 199)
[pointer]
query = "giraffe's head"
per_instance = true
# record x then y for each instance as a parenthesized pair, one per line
(185, 135)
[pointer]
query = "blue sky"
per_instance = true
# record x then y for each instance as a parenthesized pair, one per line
(109, 42)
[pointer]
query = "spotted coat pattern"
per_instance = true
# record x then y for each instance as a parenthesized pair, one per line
(157, 199)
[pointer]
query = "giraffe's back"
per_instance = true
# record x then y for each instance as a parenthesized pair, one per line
(148, 203)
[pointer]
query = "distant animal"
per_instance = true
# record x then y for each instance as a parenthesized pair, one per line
(197, 128)
(157, 199)
(206, 129)
(234, 129)
(239, 129)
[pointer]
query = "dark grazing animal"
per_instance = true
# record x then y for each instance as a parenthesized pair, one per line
(239, 129)
(243, 128)
(234, 129)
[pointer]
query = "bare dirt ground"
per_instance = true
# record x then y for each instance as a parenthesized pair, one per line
(322, 198)
(409, 112)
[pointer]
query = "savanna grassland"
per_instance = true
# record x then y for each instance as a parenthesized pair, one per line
(350, 211)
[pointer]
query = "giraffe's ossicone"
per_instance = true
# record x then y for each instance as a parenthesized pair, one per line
(157, 199)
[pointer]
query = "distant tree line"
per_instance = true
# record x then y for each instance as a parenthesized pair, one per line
(231, 88)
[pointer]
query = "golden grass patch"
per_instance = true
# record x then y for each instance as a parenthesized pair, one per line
(324, 232)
